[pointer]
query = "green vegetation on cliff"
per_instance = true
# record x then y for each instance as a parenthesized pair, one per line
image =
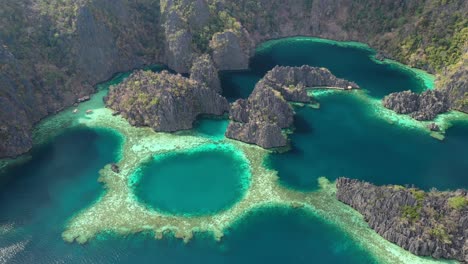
(53, 52)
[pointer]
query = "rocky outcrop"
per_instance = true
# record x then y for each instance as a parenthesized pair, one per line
(61, 49)
(204, 71)
(227, 51)
(293, 81)
(260, 118)
(264, 134)
(455, 83)
(164, 101)
(425, 223)
(179, 52)
(424, 106)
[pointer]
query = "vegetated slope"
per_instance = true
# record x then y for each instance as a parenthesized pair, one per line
(53, 52)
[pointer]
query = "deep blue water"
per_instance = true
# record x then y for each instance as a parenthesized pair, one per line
(39, 196)
(343, 138)
(351, 63)
(339, 139)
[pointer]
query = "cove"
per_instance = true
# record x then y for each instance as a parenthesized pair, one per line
(195, 182)
(348, 60)
(346, 136)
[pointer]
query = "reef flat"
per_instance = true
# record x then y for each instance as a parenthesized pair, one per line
(118, 211)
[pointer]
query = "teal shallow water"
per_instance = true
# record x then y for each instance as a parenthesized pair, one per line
(202, 181)
(60, 179)
(342, 138)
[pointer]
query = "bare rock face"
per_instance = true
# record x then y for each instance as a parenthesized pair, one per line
(204, 71)
(259, 119)
(265, 135)
(163, 101)
(309, 76)
(425, 106)
(227, 51)
(425, 223)
(455, 84)
(179, 53)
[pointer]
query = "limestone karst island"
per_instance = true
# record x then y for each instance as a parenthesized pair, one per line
(233, 131)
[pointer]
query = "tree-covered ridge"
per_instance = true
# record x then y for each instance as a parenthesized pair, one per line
(53, 51)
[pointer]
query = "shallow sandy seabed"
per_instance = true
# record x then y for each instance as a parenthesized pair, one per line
(118, 211)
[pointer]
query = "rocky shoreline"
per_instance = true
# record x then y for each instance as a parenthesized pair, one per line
(63, 49)
(425, 223)
(422, 107)
(260, 118)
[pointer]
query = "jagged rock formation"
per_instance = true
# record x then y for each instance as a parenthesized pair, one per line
(425, 223)
(164, 101)
(424, 106)
(259, 119)
(455, 83)
(204, 71)
(227, 51)
(61, 49)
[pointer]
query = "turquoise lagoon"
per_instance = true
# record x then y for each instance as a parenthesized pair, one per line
(344, 137)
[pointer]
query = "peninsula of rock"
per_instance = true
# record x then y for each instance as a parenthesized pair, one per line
(425, 223)
(260, 119)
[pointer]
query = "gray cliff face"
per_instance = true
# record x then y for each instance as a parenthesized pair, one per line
(228, 53)
(179, 53)
(90, 49)
(259, 119)
(424, 106)
(426, 224)
(61, 49)
(204, 71)
(456, 87)
(163, 101)
(265, 135)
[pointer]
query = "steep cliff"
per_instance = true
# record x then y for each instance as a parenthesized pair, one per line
(259, 119)
(59, 49)
(164, 101)
(426, 223)
(54, 52)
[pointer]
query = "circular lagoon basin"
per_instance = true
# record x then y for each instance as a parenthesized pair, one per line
(199, 181)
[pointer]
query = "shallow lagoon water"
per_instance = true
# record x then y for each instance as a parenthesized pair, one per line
(344, 138)
(268, 235)
(196, 182)
(60, 179)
